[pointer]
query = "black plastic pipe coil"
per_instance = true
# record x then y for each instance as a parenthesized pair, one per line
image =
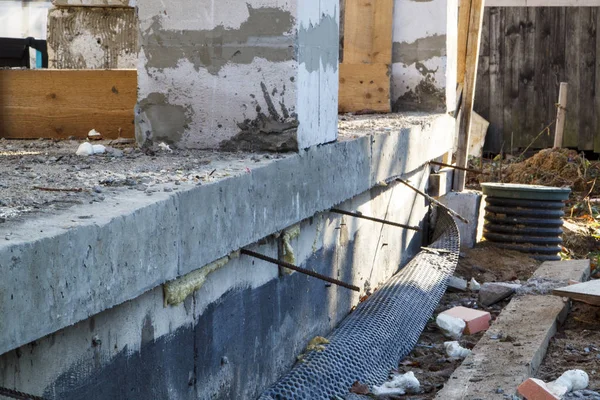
(381, 331)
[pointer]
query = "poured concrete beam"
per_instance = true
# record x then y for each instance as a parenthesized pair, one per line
(57, 272)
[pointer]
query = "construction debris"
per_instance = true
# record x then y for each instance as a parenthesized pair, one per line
(455, 350)
(492, 293)
(475, 320)
(451, 326)
(399, 385)
(537, 389)
(587, 292)
(94, 135)
(474, 285)
(456, 283)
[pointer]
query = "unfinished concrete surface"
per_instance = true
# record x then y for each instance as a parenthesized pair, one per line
(92, 38)
(514, 346)
(132, 242)
(469, 205)
(259, 77)
(424, 55)
(93, 284)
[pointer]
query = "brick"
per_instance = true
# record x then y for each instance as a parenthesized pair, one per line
(475, 320)
(535, 389)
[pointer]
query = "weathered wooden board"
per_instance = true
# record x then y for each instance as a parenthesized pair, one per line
(587, 292)
(367, 54)
(364, 87)
(530, 51)
(59, 104)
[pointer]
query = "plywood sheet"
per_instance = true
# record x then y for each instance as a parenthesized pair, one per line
(364, 87)
(587, 292)
(59, 104)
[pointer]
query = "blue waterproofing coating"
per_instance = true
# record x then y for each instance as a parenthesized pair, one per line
(371, 341)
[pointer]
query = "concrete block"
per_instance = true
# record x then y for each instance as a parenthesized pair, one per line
(536, 389)
(244, 76)
(490, 293)
(440, 183)
(468, 204)
(475, 320)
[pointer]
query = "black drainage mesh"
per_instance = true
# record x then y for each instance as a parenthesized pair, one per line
(381, 331)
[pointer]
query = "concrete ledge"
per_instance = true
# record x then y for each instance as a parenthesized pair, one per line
(528, 322)
(58, 271)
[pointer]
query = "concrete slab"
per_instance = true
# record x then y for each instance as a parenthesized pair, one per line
(468, 204)
(514, 346)
(58, 270)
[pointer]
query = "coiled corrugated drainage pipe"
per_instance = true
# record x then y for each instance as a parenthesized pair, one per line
(381, 331)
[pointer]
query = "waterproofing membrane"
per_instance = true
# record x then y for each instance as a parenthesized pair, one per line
(381, 331)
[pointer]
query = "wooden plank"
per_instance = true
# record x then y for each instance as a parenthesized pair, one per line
(368, 31)
(560, 115)
(587, 292)
(472, 61)
(597, 86)
(358, 93)
(513, 47)
(543, 46)
(59, 104)
(572, 71)
(496, 76)
(587, 76)
(481, 104)
(464, 15)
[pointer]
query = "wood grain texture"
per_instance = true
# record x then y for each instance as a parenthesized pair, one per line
(368, 31)
(59, 104)
(364, 87)
(532, 50)
(367, 54)
(471, 63)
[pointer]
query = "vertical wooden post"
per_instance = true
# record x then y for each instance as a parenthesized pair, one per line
(470, 78)
(561, 115)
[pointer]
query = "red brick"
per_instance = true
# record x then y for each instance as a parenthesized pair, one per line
(535, 389)
(476, 320)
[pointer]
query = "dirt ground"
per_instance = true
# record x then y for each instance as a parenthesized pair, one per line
(575, 346)
(428, 360)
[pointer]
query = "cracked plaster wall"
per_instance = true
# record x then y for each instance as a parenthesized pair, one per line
(424, 55)
(238, 76)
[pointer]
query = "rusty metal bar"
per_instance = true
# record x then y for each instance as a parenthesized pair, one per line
(441, 164)
(434, 201)
(383, 221)
(298, 269)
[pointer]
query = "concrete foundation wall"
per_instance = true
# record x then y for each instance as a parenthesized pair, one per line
(424, 55)
(92, 38)
(261, 75)
(243, 328)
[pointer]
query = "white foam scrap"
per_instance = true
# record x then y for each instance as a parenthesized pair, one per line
(573, 379)
(165, 147)
(85, 149)
(98, 149)
(452, 327)
(94, 134)
(474, 285)
(400, 384)
(455, 350)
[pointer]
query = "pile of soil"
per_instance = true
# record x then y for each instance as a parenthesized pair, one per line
(555, 167)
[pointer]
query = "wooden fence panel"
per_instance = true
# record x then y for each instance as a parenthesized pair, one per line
(528, 51)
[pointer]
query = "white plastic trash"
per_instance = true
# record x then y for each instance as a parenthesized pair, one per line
(455, 350)
(399, 385)
(452, 327)
(85, 149)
